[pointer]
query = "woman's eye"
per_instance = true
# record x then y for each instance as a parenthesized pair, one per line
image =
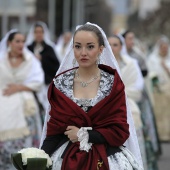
(91, 46)
(77, 46)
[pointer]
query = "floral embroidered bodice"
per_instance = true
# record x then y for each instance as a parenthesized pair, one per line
(65, 81)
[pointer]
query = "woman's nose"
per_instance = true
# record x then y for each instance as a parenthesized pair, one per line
(83, 51)
(21, 45)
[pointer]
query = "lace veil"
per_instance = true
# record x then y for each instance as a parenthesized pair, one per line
(3, 43)
(47, 39)
(139, 82)
(106, 58)
(162, 39)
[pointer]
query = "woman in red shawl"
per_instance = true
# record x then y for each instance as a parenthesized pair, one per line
(87, 124)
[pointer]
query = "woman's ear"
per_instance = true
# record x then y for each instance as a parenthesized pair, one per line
(8, 46)
(101, 48)
(8, 43)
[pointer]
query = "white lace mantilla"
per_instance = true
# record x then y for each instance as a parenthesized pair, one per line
(65, 81)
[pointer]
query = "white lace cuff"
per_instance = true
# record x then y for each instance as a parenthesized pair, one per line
(83, 138)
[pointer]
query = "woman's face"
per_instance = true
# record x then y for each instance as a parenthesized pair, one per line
(129, 40)
(67, 37)
(17, 44)
(86, 48)
(39, 34)
(164, 48)
(115, 45)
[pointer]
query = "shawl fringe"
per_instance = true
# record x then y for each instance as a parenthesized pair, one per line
(14, 134)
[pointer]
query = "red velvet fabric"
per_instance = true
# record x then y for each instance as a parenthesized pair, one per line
(108, 117)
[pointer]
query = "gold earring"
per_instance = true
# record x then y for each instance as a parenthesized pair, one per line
(9, 49)
(98, 61)
(74, 62)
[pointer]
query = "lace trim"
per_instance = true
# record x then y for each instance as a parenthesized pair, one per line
(131, 158)
(83, 138)
(64, 83)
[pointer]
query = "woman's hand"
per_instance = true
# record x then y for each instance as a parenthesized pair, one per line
(14, 88)
(165, 67)
(38, 56)
(11, 89)
(71, 133)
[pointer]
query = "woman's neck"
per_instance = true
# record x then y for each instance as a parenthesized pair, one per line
(163, 55)
(88, 73)
(14, 55)
(118, 58)
(38, 43)
(129, 50)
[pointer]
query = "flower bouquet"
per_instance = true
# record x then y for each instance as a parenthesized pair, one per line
(31, 159)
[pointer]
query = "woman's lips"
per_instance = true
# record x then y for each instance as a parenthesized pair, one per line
(84, 59)
(20, 49)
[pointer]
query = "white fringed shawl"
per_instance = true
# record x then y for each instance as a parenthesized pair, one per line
(14, 108)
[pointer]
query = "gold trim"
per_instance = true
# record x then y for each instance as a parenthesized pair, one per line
(99, 164)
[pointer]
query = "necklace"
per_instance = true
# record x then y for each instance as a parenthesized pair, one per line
(13, 60)
(86, 83)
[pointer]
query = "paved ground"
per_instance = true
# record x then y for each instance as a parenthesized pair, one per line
(164, 160)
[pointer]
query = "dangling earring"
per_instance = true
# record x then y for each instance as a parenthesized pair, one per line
(74, 62)
(9, 49)
(98, 61)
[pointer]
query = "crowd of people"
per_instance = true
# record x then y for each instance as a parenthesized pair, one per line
(90, 100)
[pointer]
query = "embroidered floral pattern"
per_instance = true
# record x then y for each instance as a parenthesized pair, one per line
(64, 83)
(13, 146)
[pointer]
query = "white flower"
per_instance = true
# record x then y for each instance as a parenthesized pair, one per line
(34, 153)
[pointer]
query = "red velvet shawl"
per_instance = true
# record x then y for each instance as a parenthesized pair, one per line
(109, 117)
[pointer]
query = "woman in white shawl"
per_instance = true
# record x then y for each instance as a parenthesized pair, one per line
(159, 66)
(133, 80)
(20, 75)
(62, 45)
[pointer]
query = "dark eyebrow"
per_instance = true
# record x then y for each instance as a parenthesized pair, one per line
(90, 43)
(87, 43)
(77, 42)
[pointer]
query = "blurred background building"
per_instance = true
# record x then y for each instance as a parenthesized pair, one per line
(16, 14)
(142, 16)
